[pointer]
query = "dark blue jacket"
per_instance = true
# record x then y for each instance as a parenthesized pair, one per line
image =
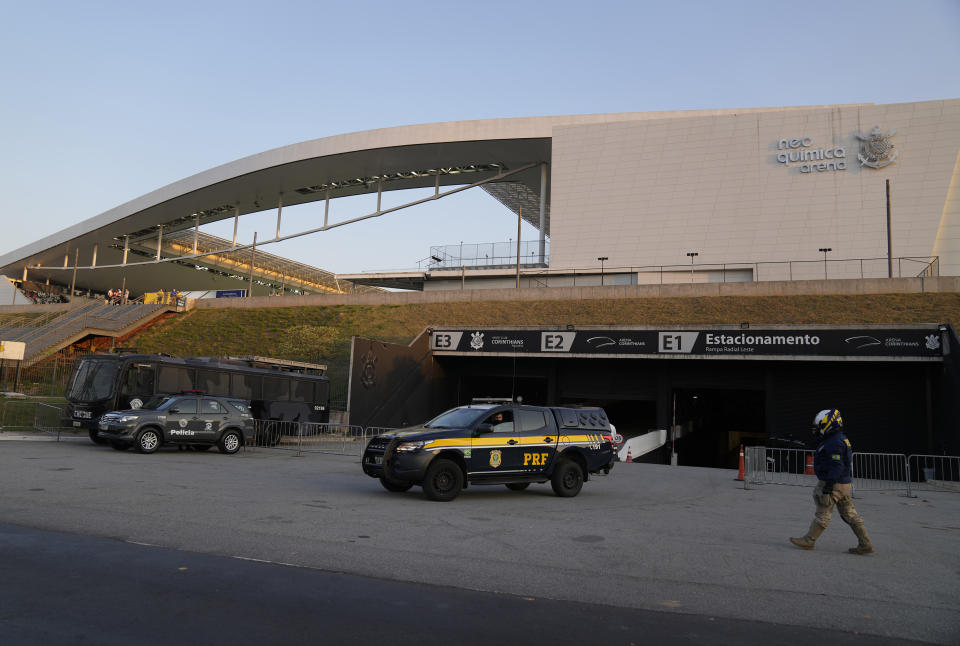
(833, 458)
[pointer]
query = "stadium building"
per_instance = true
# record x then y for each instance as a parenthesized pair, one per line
(778, 195)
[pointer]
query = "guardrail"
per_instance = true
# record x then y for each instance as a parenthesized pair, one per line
(871, 471)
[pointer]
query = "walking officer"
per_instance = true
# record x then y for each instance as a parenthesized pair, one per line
(832, 462)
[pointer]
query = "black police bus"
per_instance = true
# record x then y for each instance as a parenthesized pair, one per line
(276, 389)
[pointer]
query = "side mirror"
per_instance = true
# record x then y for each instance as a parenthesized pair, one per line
(484, 428)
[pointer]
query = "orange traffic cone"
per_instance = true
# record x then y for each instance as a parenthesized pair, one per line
(740, 471)
(629, 454)
(808, 470)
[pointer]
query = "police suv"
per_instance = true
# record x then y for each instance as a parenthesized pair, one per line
(198, 420)
(509, 444)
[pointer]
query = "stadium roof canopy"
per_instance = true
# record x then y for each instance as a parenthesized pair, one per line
(122, 242)
(509, 158)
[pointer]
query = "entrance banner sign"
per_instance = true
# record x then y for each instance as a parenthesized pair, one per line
(707, 342)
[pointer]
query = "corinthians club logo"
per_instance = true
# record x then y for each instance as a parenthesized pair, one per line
(876, 149)
(476, 340)
(368, 373)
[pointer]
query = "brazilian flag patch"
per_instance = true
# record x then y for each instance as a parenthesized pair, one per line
(835, 456)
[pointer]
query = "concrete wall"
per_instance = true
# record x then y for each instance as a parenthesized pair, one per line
(772, 288)
(646, 192)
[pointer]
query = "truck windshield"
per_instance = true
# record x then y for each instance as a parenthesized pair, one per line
(457, 418)
(93, 381)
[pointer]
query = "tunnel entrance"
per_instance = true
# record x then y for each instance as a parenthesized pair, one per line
(711, 424)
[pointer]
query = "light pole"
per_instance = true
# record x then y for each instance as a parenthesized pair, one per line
(692, 255)
(824, 251)
(602, 259)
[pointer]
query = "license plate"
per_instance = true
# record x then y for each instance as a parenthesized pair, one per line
(376, 459)
(77, 424)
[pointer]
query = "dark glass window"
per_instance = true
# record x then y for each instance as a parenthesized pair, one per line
(214, 382)
(246, 386)
(211, 407)
(276, 389)
(532, 420)
(174, 379)
(185, 406)
(301, 391)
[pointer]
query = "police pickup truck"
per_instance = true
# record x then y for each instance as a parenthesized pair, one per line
(508, 444)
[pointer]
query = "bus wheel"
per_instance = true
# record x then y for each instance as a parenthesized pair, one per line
(148, 440)
(95, 438)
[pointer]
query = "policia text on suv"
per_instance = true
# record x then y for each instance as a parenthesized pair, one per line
(513, 445)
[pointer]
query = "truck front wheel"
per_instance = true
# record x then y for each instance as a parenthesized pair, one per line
(444, 481)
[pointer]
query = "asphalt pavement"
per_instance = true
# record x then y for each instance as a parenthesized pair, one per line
(677, 541)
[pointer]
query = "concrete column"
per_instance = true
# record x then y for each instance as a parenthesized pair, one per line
(253, 253)
(279, 212)
(543, 212)
(159, 241)
(196, 233)
(326, 209)
(236, 221)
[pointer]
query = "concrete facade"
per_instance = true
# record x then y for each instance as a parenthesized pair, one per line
(754, 192)
(646, 192)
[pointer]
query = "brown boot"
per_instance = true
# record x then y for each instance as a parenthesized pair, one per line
(806, 542)
(865, 546)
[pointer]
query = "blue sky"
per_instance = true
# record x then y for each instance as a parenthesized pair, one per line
(105, 101)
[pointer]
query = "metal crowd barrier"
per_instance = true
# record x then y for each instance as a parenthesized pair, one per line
(871, 471)
(764, 465)
(880, 472)
(340, 439)
(934, 472)
(36, 415)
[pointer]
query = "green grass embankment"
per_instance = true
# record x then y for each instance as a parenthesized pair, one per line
(285, 331)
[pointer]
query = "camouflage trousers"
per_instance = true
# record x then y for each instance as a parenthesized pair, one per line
(839, 498)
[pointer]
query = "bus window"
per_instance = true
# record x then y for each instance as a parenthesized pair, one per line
(214, 382)
(301, 391)
(138, 381)
(246, 386)
(93, 381)
(322, 391)
(174, 379)
(276, 389)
